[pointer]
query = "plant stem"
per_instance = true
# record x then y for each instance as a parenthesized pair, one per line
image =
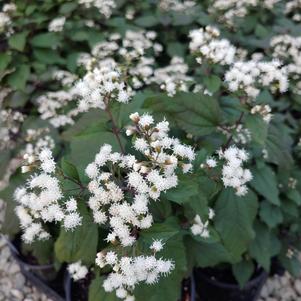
(236, 125)
(115, 129)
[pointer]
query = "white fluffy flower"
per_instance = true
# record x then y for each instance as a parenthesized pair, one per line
(77, 271)
(206, 44)
(57, 24)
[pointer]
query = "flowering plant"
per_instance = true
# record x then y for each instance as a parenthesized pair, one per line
(159, 141)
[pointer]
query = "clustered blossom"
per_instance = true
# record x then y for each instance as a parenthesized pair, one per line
(264, 111)
(287, 48)
(207, 45)
(248, 77)
(184, 6)
(10, 123)
(128, 272)
(293, 9)
(134, 53)
(105, 7)
(173, 78)
(228, 10)
(53, 105)
(144, 180)
(200, 228)
(233, 174)
(67, 79)
(57, 24)
(77, 271)
(40, 201)
(100, 86)
(6, 18)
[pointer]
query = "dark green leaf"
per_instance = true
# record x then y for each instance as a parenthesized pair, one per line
(46, 40)
(265, 183)
(243, 271)
(80, 243)
(18, 40)
(212, 83)
(270, 214)
(234, 221)
(5, 59)
(18, 79)
(69, 169)
(264, 246)
(195, 113)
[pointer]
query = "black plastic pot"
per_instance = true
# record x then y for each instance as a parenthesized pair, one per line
(189, 283)
(41, 276)
(209, 288)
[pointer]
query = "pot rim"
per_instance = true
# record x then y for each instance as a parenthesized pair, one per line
(17, 256)
(262, 275)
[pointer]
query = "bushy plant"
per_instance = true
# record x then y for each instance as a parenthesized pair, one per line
(159, 136)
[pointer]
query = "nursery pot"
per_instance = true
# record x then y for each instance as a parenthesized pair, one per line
(188, 289)
(44, 277)
(209, 287)
(45, 271)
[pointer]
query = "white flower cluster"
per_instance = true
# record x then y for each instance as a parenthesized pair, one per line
(40, 201)
(248, 77)
(144, 180)
(200, 228)
(134, 53)
(233, 174)
(288, 49)
(293, 8)
(264, 111)
(52, 106)
(57, 24)
(10, 123)
(77, 271)
(67, 79)
(183, 6)
(128, 272)
(228, 10)
(100, 86)
(173, 78)
(37, 140)
(105, 7)
(5, 18)
(206, 45)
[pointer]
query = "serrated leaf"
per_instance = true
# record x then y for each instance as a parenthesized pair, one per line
(258, 128)
(187, 187)
(80, 243)
(69, 169)
(213, 83)
(265, 183)
(278, 145)
(234, 221)
(48, 56)
(46, 40)
(195, 113)
(146, 21)
(18, 40)
(264, 246)
(270, 214)
(5, 59)
(243, 271)
(18, 79)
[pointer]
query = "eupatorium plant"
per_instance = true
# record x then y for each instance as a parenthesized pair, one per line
(153, 137)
